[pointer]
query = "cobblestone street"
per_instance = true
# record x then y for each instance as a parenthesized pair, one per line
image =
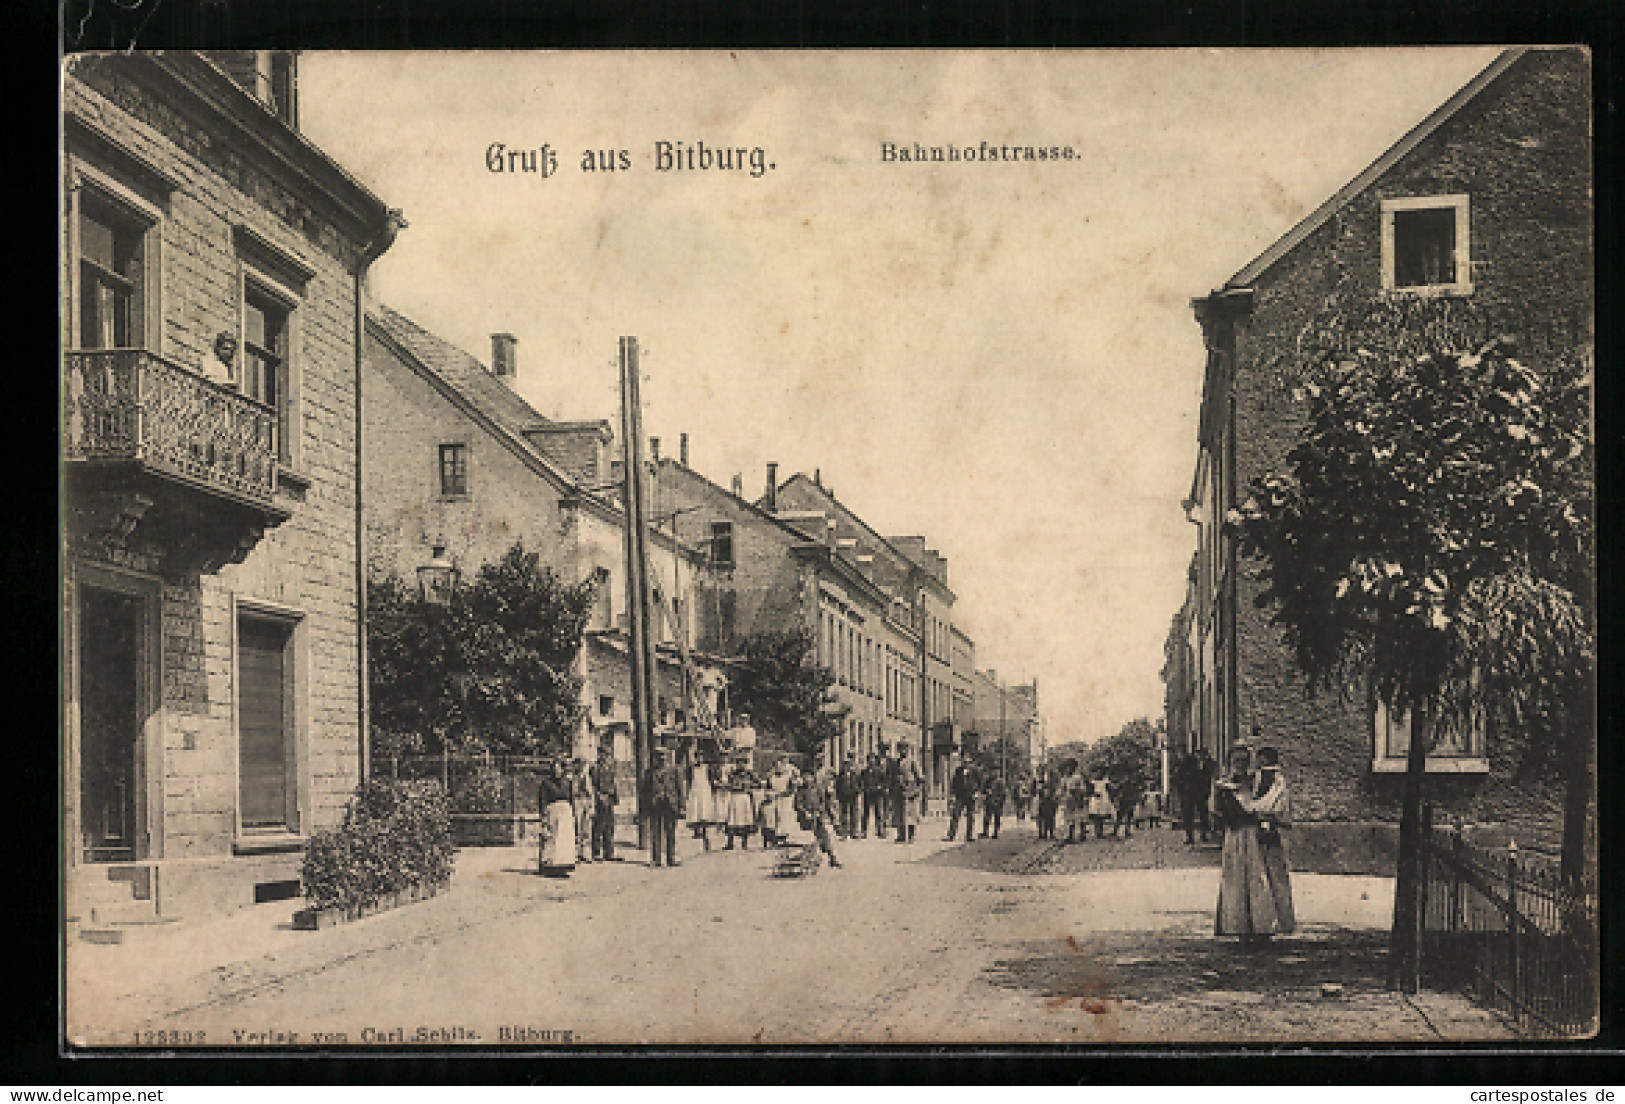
(935, 942)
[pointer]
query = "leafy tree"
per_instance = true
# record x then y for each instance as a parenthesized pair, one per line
(777, 680)
(1003, 756)
(492, 669)
(1128, 759)
(1431, 538)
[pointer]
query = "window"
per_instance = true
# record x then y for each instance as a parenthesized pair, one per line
(265, 358)
(112, 274)
(454, 470)
(722, 543)
(1425, 245)
(265, 699)
(606, 705)
(1452, 748)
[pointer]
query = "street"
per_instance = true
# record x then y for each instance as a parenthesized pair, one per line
(929, 943)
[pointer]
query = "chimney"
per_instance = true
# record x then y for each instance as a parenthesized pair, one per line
(738, 487)
(818, 477)
(504, 357)
(654, 449)
(772, 499)
(682, 449)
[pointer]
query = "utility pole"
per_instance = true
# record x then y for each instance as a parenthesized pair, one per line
(642, 652)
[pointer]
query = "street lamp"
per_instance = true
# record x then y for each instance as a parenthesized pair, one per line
(438, 578)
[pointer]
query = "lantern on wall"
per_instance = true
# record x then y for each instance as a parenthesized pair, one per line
(438, 578)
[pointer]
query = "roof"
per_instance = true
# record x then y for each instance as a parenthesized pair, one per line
(473, 380)
(1347, 193)
(879, 541)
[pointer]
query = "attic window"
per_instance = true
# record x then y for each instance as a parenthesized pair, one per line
(1425, 245)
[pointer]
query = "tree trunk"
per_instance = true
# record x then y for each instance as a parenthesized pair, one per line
(1402, 941)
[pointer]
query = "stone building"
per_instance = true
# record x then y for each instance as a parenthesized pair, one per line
(213, 276)
(916, 579)
(457, 465)
(1006, 711)
(1489, 201)
(774, 568)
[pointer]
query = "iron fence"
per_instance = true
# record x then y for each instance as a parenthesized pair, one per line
(1504, 927)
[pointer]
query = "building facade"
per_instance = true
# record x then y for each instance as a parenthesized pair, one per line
(1487, 201)
(213, 276)
(457, 464)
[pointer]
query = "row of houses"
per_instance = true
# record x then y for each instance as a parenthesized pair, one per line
(1487, 201)
(248, 440)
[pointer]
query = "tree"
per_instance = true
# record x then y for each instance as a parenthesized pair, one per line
(1128, 759)
(493, 669)
(1004, 757)
(777, 680)
(1431, 538)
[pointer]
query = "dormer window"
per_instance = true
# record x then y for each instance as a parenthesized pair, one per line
(1425, 245)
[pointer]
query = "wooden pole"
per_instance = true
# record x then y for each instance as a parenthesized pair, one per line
(641, 653)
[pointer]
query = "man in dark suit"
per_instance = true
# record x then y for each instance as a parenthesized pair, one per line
(1195, 783)
(849, 793)
(962, 801)
(665, 798)
(874, 797)
(993, 792)
(605, 795)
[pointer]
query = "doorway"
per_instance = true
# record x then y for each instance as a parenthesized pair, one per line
(111, 625)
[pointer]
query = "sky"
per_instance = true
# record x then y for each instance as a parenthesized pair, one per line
(1000, 355)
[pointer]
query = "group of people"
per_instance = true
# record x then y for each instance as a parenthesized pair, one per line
(1255, 890)
(727, 799)
(738, 802)
(974, 786)
(1066, 795)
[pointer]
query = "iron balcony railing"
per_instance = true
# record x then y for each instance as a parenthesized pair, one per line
(131, 405)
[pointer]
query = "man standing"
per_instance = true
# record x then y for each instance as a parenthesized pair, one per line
(665, 797)
(1195, 781)
(815, 807)
(960, 801)
(877, 795)
(993, 792)
(605, 795)
(848, 791)
(581, 801)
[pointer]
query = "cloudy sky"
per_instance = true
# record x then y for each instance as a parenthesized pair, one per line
(999, 355)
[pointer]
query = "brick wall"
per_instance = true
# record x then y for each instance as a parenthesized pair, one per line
(1521, 152)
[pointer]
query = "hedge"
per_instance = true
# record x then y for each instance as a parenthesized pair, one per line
(395, 835)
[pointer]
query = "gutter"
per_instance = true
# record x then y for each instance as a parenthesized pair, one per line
(393, 224)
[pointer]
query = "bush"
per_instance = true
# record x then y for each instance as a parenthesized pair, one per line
(395, 835)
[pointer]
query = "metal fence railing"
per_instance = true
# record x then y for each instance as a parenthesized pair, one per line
(1504, 927)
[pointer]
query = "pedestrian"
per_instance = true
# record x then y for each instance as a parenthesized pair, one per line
(665, 800)
(1075, 801)
(992, 804)
(910, 797)
(556, 857)
(1021, 794)
(1126, 794)
(961, 801)
(816, 807)
(849, 796)
(700, 810)
(742, 786)
(1202, 793)
(1192, 783)
(605, 796)
(581, 806)
(1255, 890)
(1046, 800)
(873, 781)
(776, 813)
(1100, 805)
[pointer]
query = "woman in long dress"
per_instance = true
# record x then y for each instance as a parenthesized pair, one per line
(701, 808)
(912, 783)
(776, 812)
(1255, 890)
(741, 806)
(556, 857)
(1074, 798)
(1100, 805)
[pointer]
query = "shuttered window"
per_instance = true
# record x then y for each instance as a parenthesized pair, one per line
(264, 771)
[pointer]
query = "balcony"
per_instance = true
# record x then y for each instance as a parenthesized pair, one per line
(159, 453)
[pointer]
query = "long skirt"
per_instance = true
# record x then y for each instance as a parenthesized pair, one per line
(558, 851)
(911, 811)
(1255, 891)
(785, 804)
(741, 811)
(702, 802)
(767, 812)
